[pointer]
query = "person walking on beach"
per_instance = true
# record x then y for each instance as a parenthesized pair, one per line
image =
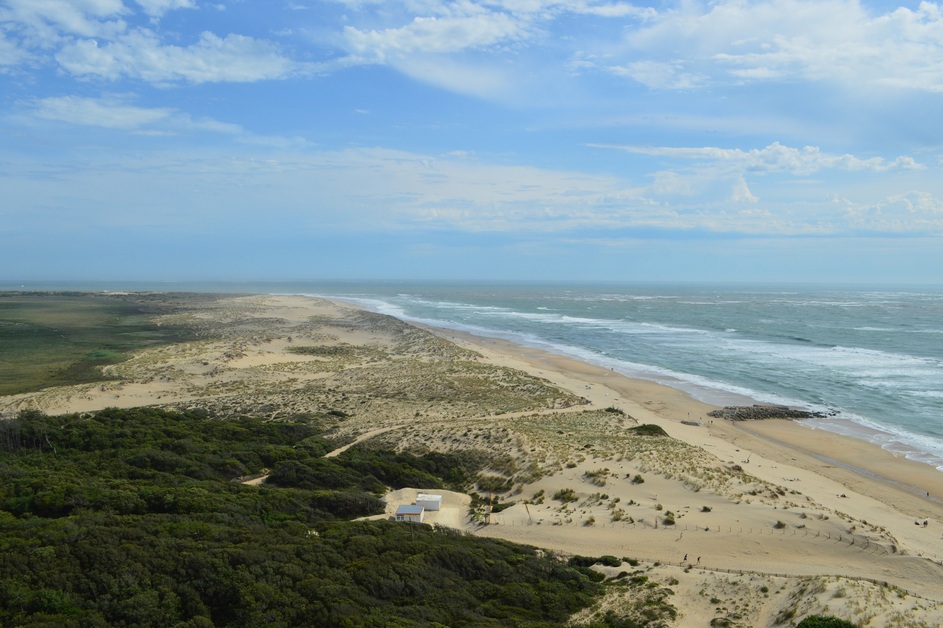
(685, 559)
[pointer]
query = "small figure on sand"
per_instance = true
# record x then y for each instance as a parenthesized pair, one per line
(685, 559)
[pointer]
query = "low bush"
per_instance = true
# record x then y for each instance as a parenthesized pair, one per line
(648, 429)
(565, 495)
(824, 621)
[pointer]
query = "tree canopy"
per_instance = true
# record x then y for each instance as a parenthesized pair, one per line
(132, 517)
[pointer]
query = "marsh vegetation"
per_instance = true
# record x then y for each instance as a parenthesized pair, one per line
(57, 339)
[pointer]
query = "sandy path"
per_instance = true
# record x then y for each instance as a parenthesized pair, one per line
(360, 439)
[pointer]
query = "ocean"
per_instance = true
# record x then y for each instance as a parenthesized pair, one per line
(872, 360)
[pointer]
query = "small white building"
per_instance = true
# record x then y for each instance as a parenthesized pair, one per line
(429, 501)
(412, 513)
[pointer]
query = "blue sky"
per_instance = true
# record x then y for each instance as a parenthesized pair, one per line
(785, 140)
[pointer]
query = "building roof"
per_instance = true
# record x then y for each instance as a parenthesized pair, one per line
(410, 509)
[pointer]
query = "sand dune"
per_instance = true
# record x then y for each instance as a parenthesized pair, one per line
(757, 523)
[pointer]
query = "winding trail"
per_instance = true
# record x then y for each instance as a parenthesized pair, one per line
(360, 439)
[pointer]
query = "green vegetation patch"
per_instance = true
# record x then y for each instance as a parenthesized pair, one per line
(324, 350)
(648, 429)
(824, 621)
(63, 338)
(132, 517)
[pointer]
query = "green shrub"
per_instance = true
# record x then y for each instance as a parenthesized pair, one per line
(494, 484)
(824, 621)
(589, 561)
(648, 429)
(565, 495)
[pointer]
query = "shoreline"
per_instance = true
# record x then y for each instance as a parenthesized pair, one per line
(833, 486)
(849, 461)
(718, 394)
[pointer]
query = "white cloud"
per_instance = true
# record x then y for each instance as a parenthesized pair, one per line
(92, 38)
(410, 191)
(603, 8)
(553, 8)
(609, 9)
(435, 35)
(437, 27)
(741, 192)
(157, 8)
(900, 213)
(480, 48)
(463, 78)
(659, 74)
(820, 40)
(324, 191)
(438, 47)
(86, 18)
(140, 55)
(115, 112)
(689, 45)
(10, 53)
(777, 158)
(108, 113)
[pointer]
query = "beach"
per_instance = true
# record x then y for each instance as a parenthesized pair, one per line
(825, 523)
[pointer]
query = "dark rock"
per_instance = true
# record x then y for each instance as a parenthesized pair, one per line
(763, 411)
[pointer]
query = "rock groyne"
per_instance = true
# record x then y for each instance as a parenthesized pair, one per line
(763, 411)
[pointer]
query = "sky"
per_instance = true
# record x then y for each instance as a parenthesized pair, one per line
(732, 140)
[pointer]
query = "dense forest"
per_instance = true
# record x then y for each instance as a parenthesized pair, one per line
(133, 518)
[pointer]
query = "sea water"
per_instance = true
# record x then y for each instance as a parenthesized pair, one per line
(871, 359)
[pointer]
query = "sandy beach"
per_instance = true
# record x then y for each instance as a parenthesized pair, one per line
(755, 522)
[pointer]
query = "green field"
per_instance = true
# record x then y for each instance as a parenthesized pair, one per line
(61, 338)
